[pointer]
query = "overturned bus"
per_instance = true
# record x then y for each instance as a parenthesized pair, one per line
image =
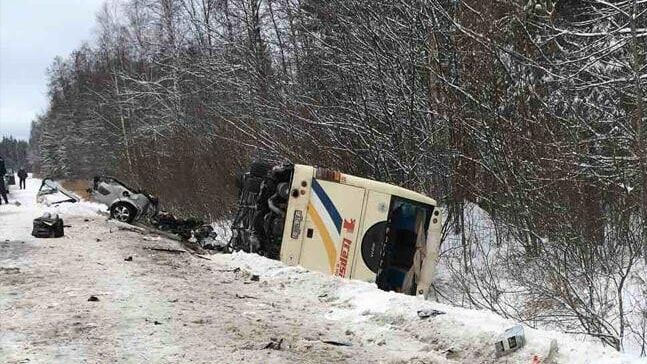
(339, 224)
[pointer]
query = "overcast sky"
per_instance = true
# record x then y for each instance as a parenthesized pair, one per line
(32, 33)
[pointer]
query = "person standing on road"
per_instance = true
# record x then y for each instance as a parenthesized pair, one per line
(3, 191)
(22, 175)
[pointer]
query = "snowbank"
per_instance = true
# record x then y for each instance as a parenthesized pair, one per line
(492, 282)
(390, 319)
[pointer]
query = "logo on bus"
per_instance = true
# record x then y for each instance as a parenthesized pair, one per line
(349, 228)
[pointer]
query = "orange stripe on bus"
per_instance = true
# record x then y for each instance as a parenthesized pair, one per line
(325, 236)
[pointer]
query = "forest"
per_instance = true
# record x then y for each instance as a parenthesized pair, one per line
(14, 152)
(531, 111)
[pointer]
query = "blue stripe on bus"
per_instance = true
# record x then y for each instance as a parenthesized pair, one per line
(325, 200)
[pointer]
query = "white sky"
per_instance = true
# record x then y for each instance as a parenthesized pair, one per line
(32, 33)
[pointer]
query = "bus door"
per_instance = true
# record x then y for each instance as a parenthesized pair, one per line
(368, 253)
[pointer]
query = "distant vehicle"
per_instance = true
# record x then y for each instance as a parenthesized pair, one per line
(126, 204)
(10, 178)
(339, 224)
(6, 186)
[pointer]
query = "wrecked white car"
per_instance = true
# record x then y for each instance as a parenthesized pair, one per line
(339, 224)
(52, 193)
(126, 204)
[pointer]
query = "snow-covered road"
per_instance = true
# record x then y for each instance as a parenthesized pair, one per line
(170, 307)
(16, 218)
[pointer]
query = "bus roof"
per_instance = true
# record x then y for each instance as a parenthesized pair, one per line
(373, 185)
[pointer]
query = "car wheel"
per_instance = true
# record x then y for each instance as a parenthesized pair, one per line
(122, 212)
(253, 184)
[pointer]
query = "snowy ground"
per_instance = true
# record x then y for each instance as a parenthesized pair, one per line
(172, 307)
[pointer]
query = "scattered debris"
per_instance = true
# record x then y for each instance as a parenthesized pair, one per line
(154, 322)
(235, 270)
(274, 344)
(201, 321)
(191, 229)
(9, 270)
(451, 354)
(511, 340)
(129, 259)
(48, 226)
(254, 278)
(211, 243)
(337, 343)
(245, 297)
(166, 221)
(324, 297)
(93, 299)
(124, 226)
(168, 226)
(548, 357)
(424, 314)
(167, 250)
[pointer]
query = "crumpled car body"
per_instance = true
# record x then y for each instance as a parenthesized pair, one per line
(125, 204)
(52, 193)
